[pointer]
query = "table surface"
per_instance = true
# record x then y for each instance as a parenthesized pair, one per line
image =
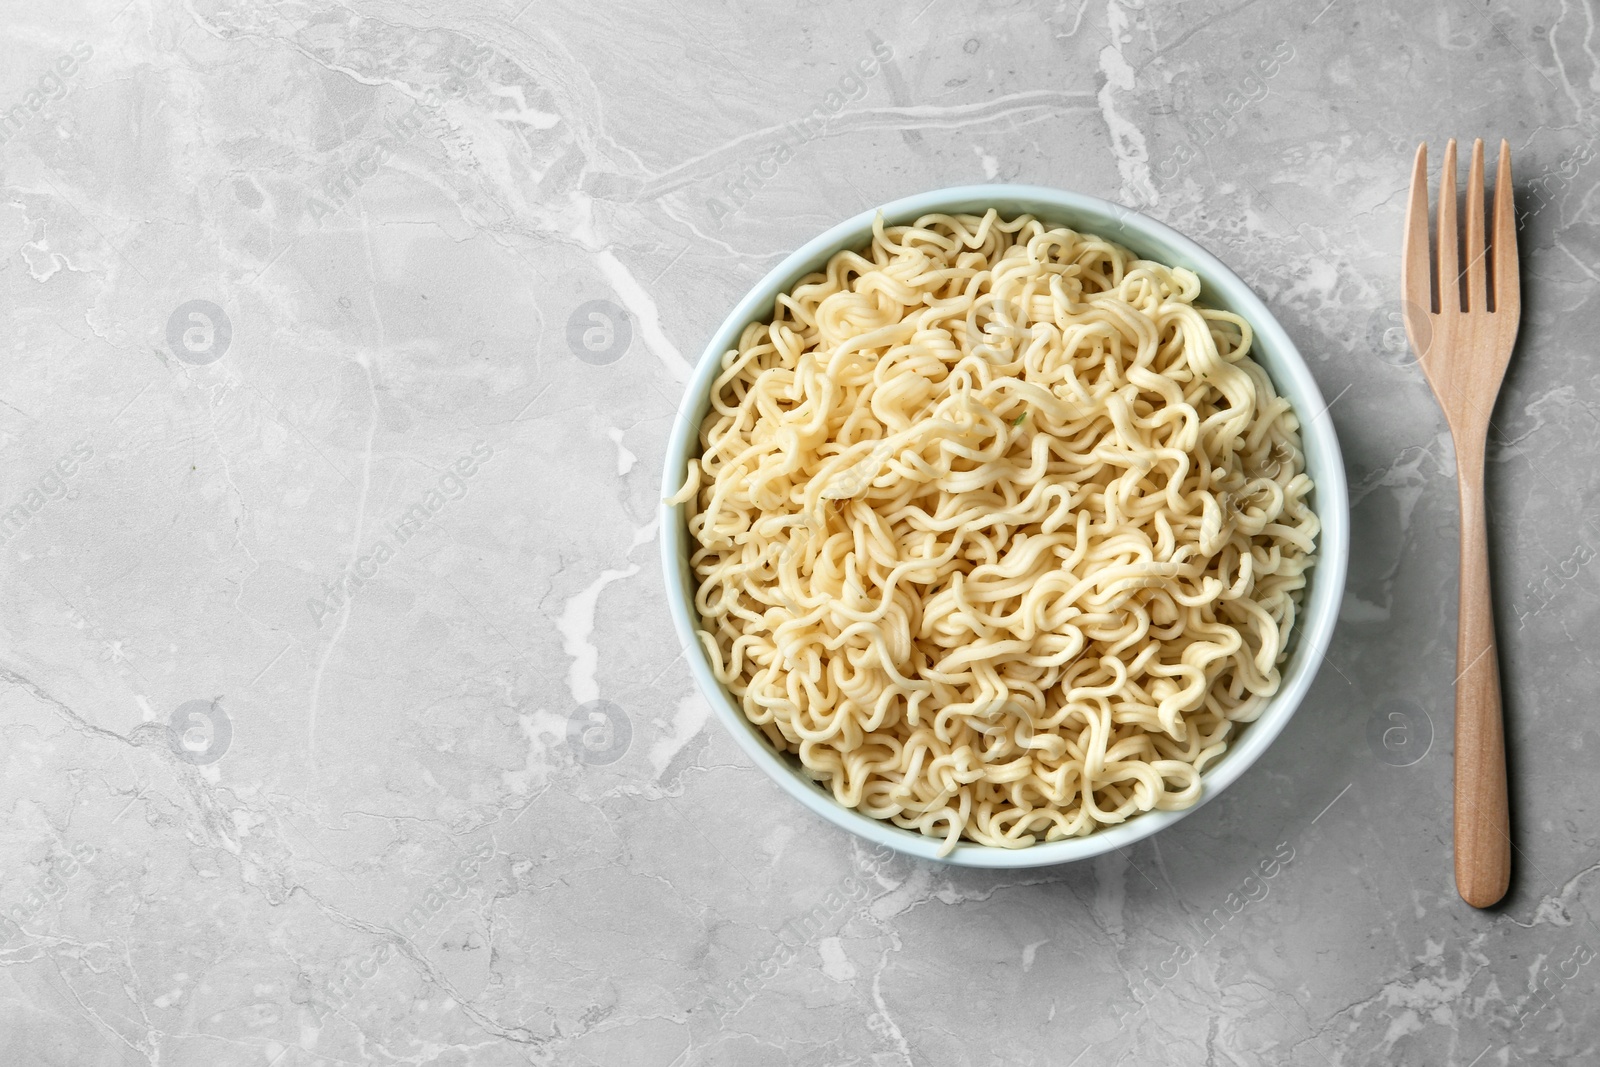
(345, 339)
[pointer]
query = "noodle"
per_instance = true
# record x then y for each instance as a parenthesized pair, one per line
(997, 531)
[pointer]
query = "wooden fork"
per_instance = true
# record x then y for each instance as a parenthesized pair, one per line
(1462, 324)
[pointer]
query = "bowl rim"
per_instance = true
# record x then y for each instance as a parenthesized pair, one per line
(1273, 349)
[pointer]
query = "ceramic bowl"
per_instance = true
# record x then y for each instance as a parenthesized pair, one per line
(1273, 349)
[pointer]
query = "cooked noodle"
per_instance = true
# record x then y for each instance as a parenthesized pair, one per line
(997, 531)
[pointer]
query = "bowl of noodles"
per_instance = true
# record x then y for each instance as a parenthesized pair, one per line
(1003, 526)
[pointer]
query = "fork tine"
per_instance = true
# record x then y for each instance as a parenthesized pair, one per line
(1507, 288)
(1449, 236)
(1477, 294)
(1416, 272)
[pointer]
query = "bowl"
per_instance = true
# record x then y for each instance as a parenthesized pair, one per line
(1222, 289)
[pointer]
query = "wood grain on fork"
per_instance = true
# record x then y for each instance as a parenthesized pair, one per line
(1464, 346)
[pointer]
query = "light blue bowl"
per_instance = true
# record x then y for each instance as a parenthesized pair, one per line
(1221, 288)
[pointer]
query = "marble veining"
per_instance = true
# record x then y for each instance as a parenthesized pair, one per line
(342, 719)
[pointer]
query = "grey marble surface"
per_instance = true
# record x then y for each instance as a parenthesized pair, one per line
(343, 340)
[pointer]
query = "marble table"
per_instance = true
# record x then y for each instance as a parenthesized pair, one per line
(343, 341)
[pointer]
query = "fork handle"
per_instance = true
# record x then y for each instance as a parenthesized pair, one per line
(1482, 814)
